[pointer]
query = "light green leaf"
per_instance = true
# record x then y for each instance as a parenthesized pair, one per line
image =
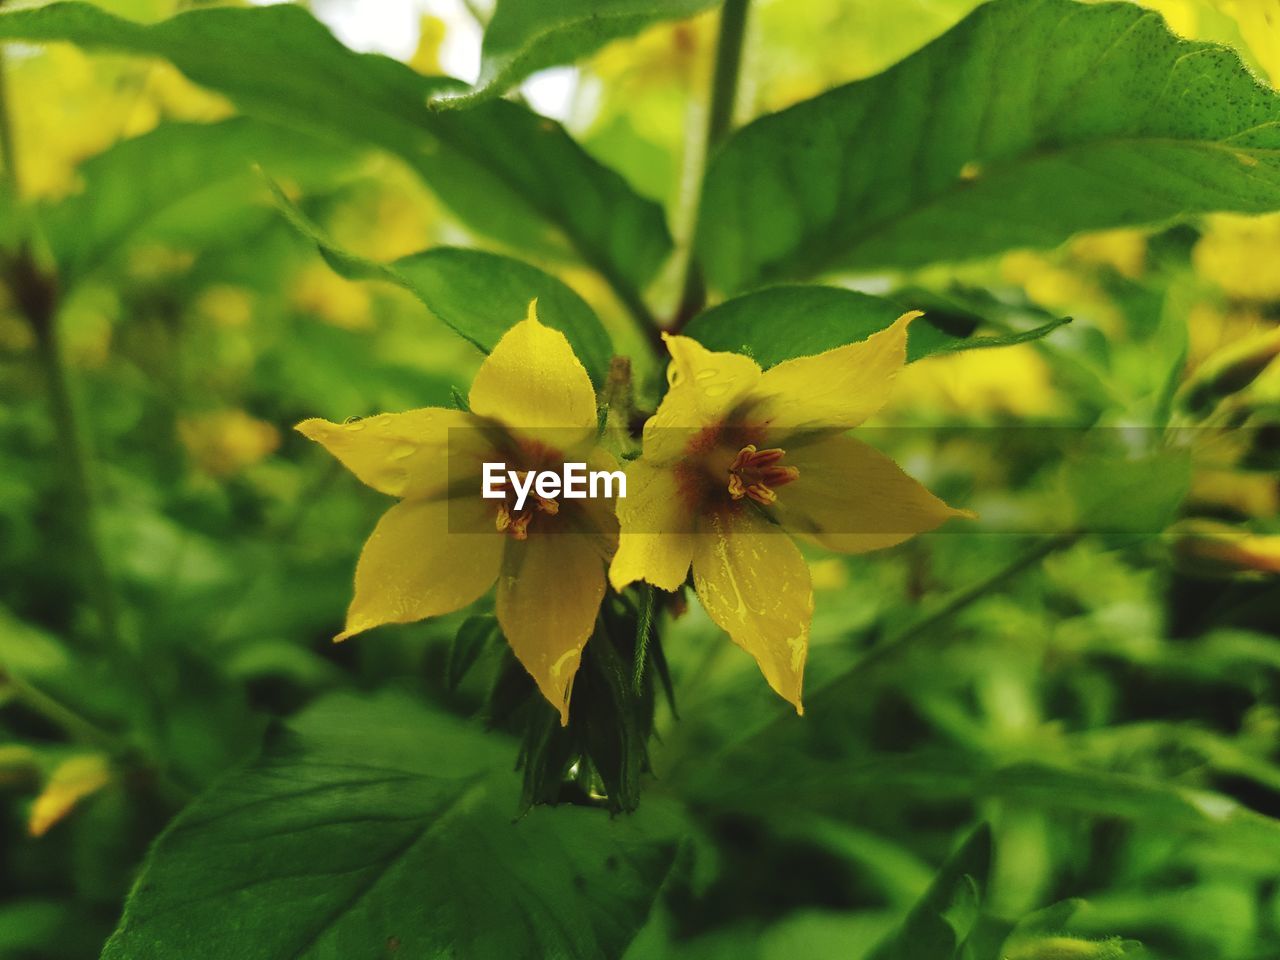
(780, 323)
(1028, 122)
(528, 35)
(478, 294)
(504, 170)
(1113, 493)
(155, 178)
(376, 828)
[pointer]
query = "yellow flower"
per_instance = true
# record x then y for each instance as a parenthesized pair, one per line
(224, 442)
(737, 460)
(443, 545)
(319, 291)
(1238, 253)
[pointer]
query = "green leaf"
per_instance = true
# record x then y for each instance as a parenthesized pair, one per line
(939, 924)
(780, 323)
(155, 178)
(478, 294)
(1117, 494)
(528, 35)
(504, 170)
(376, 828)
(1028, 122)
(468, 643)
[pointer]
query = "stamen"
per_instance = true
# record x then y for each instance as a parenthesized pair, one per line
(755, 473)
(551, 507)
(520, 526)
(503, 520)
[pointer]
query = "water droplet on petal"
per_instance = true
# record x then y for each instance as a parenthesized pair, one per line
(395, 481)
(402, 451)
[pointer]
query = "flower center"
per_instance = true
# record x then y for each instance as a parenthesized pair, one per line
(516, 522)
(757, 473)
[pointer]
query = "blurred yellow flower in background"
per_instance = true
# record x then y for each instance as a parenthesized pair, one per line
(76, 105)
(71, 781)
(321, 293)
(738, 460)
(532, 407)
(1240, 254)
(1014, 380)
(224, 442)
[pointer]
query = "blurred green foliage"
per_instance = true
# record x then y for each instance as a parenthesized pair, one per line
(1014, 746)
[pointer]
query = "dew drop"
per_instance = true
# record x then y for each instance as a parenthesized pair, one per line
(395, 481)
(402, 451)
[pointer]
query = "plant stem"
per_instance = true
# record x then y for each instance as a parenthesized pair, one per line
(8, 149)
(724, 97)
(36, 295)
(79, 486)
(71, 723)
(958, 602)
(838, 687)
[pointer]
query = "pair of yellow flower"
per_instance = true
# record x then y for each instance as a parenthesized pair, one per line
(734, 460)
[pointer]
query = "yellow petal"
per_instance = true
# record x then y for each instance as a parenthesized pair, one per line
(754, 584)
(550, 592)
(71, 781)
(423, 560)
(534, 383)
(852, 498)
(656, 543)
(838, 389)
(705, 386)
(401, 454)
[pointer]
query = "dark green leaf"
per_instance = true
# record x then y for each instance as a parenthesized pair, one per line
(503, 169)
(527, 35)
(376, 828)
(780, 323)
(479, 294)
(156, 177)
(468, 643)
(938, 925)
(1028, 122)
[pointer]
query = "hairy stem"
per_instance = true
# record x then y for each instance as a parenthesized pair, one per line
(724, 97)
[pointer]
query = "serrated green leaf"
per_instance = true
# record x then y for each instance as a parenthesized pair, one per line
(376, 828)
(528, 35)
(478, 294)
(145, 181)
(780, 323)
(1029, 121)
(503, 169)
